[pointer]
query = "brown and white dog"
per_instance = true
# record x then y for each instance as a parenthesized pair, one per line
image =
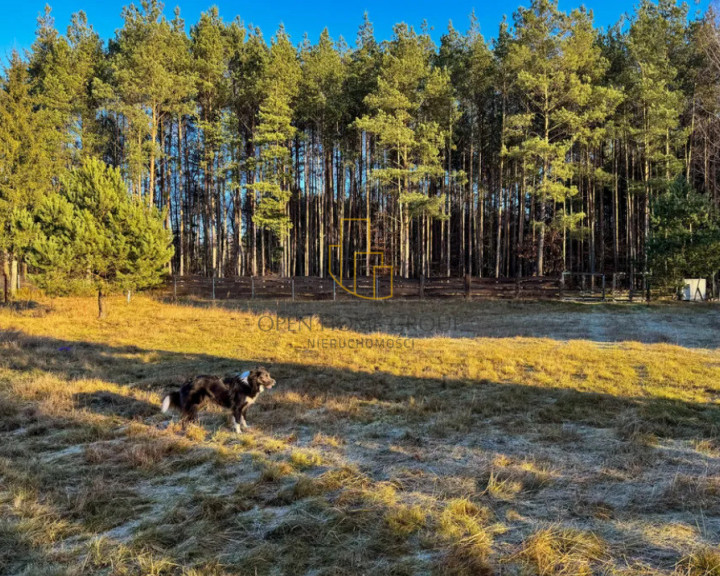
(236, 392)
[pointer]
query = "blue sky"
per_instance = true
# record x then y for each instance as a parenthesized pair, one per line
(343, 17)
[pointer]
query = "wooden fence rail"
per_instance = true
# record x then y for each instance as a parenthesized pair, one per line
(569, 286)
(313, 288)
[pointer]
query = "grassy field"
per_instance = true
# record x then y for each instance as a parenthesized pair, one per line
(491, 438)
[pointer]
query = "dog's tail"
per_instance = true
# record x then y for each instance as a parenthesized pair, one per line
(172, 400)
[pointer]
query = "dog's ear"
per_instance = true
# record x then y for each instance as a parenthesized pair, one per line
(252, 380)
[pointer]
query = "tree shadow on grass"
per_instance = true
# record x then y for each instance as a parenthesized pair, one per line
(110, 403)
(366, 395)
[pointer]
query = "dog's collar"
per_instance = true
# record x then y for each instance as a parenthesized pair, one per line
(244, 376)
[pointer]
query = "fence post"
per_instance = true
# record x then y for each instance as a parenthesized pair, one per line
(562, 283)
(175, 288)
(603, 287)
(213, 287)
(422, 286)
(647, 289)
(614, 284)
(467, 286)
(252, 287)
(377, 286)
(292, 282)
(333, 284)
(128, 296)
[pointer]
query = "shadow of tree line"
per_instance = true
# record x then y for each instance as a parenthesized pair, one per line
(163, 370)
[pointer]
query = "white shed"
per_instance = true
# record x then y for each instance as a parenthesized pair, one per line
(695, 289)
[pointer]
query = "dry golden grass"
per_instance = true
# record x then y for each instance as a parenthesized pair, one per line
(563, 552)
(703, 562)
(451, 454)
(403, 521)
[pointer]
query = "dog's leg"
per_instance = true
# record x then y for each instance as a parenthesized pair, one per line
(243, 411)
(237, 419)
(189, 416)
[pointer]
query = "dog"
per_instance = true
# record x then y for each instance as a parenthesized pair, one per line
(236, 392)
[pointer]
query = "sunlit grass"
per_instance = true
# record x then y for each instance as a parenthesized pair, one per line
(563, 552)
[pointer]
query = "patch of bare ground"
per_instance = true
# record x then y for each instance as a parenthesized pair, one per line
(560, 452)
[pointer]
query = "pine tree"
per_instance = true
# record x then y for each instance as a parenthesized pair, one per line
(474, 81)
(28, 162)
(210, 59)
(559, 66)
(248, 66)
(654, 35)
(147, 83)
(363, 69)
(406, 111)
(321, 109)
(685, 241)
(50, 72)
(92, 233)
(176, 113)
(273, 136)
